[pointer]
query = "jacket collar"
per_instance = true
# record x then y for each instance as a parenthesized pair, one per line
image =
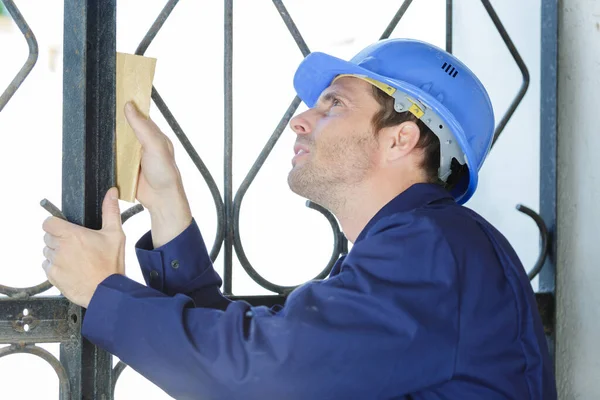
(416, 196)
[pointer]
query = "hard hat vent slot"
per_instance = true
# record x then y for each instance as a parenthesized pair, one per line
(450, 70)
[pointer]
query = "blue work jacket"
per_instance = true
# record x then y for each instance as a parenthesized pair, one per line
(431, 302)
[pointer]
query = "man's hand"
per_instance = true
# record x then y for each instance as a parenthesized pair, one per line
(78, 259)
(160, 188)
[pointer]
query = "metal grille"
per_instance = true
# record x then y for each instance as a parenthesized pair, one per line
(27, 319)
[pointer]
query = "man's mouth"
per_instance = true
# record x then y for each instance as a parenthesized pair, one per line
(300, 149)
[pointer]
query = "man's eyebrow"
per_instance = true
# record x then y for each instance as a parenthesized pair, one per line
(329, 96)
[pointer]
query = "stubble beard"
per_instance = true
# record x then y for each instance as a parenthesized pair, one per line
(332, 184)
(317, 186)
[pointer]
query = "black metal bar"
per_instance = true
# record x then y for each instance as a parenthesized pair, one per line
(548, 146)
(52, 209)
(63, 379)
(394, 22)
(449, 29)
(208, 178)
(339, 239)
(340, 243)
(116, 373)
(241, 192)
(228, 147)
(23, 293)
(158, 23)
(31, 58)
(289, 22)
(520, 63)
(88, 117)
(100, 109)
(142, 47)
(267, 301)
(38, 320)
(543, 236)
(88, 156)
(181, 136)
(130, 212)
(547, 308)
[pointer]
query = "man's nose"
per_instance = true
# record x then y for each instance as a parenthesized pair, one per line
(301, 124)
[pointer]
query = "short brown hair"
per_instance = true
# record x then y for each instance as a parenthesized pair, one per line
(428, 141)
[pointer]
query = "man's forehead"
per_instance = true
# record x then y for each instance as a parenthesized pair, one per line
(348, 86)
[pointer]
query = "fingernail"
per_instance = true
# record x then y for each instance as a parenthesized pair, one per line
(129, 106)
(114, 193)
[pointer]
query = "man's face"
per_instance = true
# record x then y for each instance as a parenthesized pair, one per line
(335, 146)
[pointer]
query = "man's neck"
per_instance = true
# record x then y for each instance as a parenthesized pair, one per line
(361, 203)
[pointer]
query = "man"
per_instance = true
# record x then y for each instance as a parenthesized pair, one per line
(430, 303)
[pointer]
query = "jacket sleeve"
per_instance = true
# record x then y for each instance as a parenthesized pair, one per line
(386, 325)
(182, 266)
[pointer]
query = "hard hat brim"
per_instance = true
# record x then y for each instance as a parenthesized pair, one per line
(317, 71)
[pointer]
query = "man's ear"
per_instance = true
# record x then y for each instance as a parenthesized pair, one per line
(399, 140)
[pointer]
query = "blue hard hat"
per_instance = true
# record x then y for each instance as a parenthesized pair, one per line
(427, 81)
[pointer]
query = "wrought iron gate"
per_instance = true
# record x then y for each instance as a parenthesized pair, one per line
(27, 318)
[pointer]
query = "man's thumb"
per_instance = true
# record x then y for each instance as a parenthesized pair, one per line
(142, 127)
(111, 213)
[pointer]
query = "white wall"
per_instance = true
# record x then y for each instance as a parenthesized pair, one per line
(274, 223)
(511, 173)
(578, 315)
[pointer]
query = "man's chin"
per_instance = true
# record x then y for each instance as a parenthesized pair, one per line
(296, 184)
(292, 183)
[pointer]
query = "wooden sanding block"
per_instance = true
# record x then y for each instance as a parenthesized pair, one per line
(134, 83)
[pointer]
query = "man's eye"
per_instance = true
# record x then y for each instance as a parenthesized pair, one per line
(335, 102)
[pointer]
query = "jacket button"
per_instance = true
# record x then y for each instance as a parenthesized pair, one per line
(153, 275)
(175, 264)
